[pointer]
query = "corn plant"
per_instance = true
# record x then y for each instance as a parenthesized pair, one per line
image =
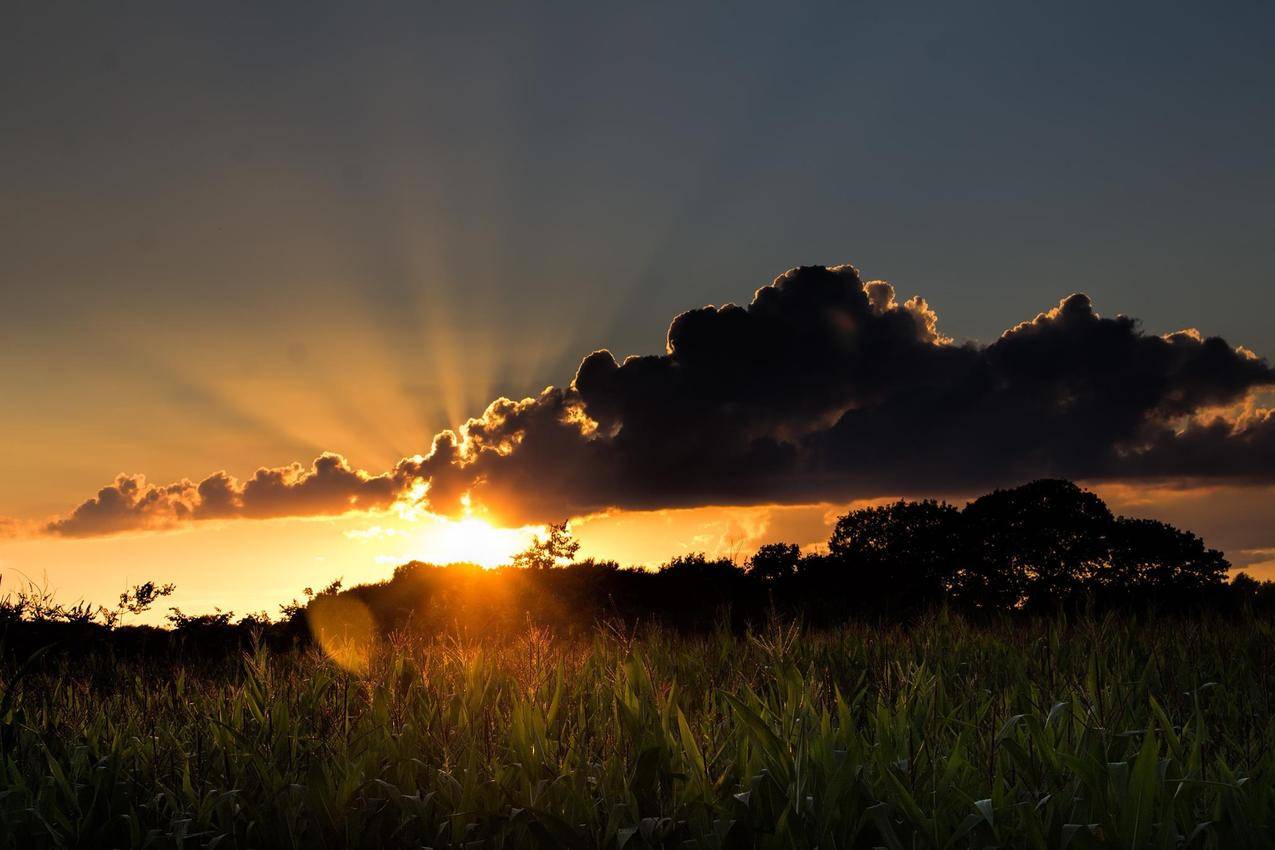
(1097, 733)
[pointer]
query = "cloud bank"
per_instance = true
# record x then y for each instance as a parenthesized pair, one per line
(328, 487)
(824, 388)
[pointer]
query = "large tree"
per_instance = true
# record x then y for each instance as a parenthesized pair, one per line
(1036, 545)
(905, 552)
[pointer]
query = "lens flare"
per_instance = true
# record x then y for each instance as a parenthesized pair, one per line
(343, 629)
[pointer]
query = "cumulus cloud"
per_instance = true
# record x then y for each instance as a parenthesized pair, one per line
(329, 486)
(823, 387)
(826, 388)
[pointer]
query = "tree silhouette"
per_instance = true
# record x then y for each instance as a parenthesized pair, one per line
(556, 547)
(1148, 556)
(774, 561)
(904, 552)
(1035, 545)
(137, 599)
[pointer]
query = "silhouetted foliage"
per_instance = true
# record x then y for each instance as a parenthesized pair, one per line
(775, 561)
(699, 565)
(555, 548)
(1244, 591)
(183, 622)
(1152, 557)
(903, 554)
(1043, 546)
(1038, 545)
(136, 600)
(140, 597)
(1046, 545)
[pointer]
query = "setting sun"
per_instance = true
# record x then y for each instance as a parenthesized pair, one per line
(472, 540)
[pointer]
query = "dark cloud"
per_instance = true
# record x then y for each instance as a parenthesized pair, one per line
(1241, 450)
(329, 486)
(823, 388)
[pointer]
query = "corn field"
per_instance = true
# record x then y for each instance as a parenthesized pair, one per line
(1113, 732)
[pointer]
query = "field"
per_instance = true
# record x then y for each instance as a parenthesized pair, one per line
(1109, 732)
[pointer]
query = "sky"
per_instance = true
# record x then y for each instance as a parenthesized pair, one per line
(237, 236)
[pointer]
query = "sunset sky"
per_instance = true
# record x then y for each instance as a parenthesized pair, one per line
(241, 236)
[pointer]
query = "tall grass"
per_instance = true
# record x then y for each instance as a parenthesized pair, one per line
(1107, 733)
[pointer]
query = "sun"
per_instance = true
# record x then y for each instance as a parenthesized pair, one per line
(472, 540)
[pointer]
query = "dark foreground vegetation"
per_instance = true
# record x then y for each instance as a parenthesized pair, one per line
(1029, 671)
(1048, 732)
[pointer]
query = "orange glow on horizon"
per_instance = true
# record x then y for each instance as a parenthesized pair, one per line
(439, 539)
(471, 540)
(254, 565)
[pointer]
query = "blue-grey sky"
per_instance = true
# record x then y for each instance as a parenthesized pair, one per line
(233, 234)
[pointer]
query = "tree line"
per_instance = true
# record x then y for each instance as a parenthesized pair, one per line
(1045, 546)
(1040, 546)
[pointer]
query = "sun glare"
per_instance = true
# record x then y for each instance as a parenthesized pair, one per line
(474, 540)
